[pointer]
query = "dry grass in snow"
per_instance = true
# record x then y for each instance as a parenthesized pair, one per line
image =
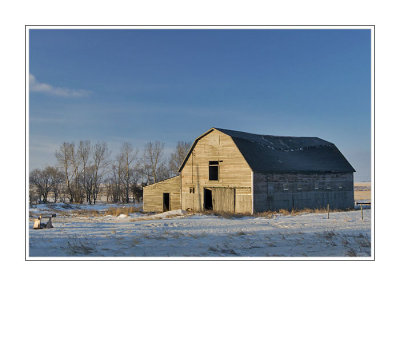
(178, 234)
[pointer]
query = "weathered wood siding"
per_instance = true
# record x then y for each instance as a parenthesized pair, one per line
(234, 172)
(223, 199)
(287, 191)
(153, 195)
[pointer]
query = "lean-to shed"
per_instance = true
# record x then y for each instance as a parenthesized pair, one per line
(162, 196)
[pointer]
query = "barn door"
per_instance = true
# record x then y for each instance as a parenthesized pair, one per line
(166, 203)
(223, 199)
(208, 199)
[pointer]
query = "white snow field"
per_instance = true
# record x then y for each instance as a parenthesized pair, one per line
(178, 234)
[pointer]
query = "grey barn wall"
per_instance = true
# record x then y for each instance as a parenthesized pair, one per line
(298, 191)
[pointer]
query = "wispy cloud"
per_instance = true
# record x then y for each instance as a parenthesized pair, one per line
(40, 87)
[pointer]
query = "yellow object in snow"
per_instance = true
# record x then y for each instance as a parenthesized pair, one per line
(39, 225)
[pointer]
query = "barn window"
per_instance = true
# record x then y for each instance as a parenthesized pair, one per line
(213, 167)
(191, 190)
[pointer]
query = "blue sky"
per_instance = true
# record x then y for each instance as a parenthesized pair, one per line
(170, 85)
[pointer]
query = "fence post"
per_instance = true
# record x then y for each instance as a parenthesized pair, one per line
(362, 214)
(328, 211)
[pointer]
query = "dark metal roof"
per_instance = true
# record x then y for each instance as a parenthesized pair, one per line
(272, 154)
(267, 154)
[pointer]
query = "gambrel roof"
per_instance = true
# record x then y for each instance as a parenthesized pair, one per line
(285, 154)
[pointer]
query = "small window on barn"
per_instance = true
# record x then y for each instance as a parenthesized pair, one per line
(213, 170)
(191, 190)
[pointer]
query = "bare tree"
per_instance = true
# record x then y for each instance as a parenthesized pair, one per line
(137, 190)
(128, 155)
(100, 162)
(108, 184)
(35, 186)
(115, 179)
(177, 157)
(153, 161)
(33, 194)
(41, 179)
(144, 171)
(83, 156)
(56, 179)
(162, 172)
(65, 155)
(89, 183)
(77, 184)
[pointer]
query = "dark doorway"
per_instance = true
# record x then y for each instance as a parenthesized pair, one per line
(166, 202)
(208, 205)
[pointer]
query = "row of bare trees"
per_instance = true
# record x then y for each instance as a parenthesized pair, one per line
(86, 170)
(83, 168)
(42, 182)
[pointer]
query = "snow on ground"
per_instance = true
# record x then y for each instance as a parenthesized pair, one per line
(177, 234)
(65, 207)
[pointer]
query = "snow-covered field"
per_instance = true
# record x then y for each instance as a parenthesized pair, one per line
(177, 234)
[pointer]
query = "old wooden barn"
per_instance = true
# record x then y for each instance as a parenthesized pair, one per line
(233, 171)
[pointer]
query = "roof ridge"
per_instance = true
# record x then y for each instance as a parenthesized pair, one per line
(263, 135)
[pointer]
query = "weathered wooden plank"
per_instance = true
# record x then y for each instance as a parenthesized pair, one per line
(223, 199)
(234, 171)
(153, 195)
